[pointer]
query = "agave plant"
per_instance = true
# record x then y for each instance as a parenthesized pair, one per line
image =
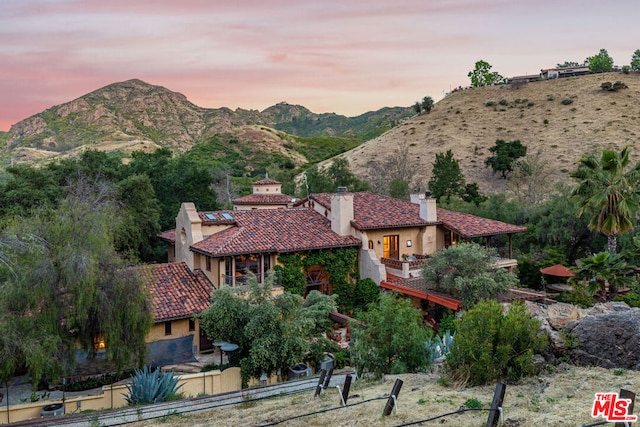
(151, 386)
(440, 346)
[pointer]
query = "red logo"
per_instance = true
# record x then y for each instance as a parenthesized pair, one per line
(612, 408)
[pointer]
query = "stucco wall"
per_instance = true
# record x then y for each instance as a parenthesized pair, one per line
(207, 383)
(370, 266)
(179, 328)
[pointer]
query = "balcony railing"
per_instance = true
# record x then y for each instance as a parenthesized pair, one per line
(411, 267)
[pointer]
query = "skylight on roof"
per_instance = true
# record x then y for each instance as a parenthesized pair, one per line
(227, 215)
(210, 216)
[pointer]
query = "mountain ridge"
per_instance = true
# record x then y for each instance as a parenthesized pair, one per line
(134, 109)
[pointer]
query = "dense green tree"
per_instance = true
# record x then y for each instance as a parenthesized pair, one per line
(472, 194)
(557, 224)
(272, 333)
(391, 338)
(140, 222)
(175, 180)
(482, 75)
(446, 177)
(600, 62)
(607, 191)
(604, 272)
(399, 189)
(417, 107)
(635, 60)
(505, 156)
(336, 175)
(74, 287)
(427, 104)
(466, 271)
(28, 188)
(490, 345)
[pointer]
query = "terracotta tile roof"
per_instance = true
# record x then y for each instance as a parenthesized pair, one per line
(469, 226)
(375, 211)
(176, 291)
(169, 236)
(274, 231)
(266, 181)
(264, 199)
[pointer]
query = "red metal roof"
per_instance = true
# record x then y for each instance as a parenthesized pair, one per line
(557, 270)
(176, 291)
(274, 231)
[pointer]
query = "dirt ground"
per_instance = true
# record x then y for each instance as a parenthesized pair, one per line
(562, 397)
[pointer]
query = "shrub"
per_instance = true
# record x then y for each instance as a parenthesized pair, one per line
(530, 104)
(490, 345)
(504, 102)
(632, 299)
(606, 86)
(149, 386)
(567, 101)
(578, 296)
(619, 85)
(490, 104)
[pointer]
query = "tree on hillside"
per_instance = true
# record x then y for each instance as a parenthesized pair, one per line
(529, 179)
(635, 60)
(466, 271)
(427, 104)
(417, 107)
(74, 289)
(505, 156)
(607, 191)
(391, 338)
(482, 75)
(600, 62)
(395, 174)
(446, 177)
(568, 64)
(336, 175)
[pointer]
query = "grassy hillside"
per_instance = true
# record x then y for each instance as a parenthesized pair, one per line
(559, 119)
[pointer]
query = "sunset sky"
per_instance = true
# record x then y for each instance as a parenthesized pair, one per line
(343, 56)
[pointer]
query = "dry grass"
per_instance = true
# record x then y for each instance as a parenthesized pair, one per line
(463, 123)
(562, 398)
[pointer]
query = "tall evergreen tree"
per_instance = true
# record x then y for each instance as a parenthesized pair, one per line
(446, 178)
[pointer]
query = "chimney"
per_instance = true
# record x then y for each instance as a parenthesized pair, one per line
(341, 212)
(428, 207)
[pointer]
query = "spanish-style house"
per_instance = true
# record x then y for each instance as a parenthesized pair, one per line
(393, 236)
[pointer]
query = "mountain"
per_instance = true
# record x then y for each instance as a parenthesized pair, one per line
(137, 115)
(558, 120)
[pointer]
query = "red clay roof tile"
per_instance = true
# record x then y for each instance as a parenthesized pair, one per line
(176, 291)
(274, 231)
(375, 211)
(264, 199)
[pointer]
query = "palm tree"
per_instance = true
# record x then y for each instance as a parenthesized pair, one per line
(604, 272)
(608, 192)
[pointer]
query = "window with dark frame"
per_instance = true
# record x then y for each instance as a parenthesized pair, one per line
(167, 328)
(192, 325)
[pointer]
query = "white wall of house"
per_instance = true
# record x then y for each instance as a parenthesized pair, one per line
(188, 232)
(370, 266)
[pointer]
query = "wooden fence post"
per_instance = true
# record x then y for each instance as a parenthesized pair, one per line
(320, 383)
(626, 394)
(391, 402)
(496, 405)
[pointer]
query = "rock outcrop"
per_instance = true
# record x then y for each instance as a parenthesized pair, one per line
(606, 335)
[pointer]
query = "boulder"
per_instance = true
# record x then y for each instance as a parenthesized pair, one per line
(610, 339)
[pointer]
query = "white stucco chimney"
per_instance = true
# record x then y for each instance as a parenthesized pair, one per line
(341, 212)
(428, 207)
